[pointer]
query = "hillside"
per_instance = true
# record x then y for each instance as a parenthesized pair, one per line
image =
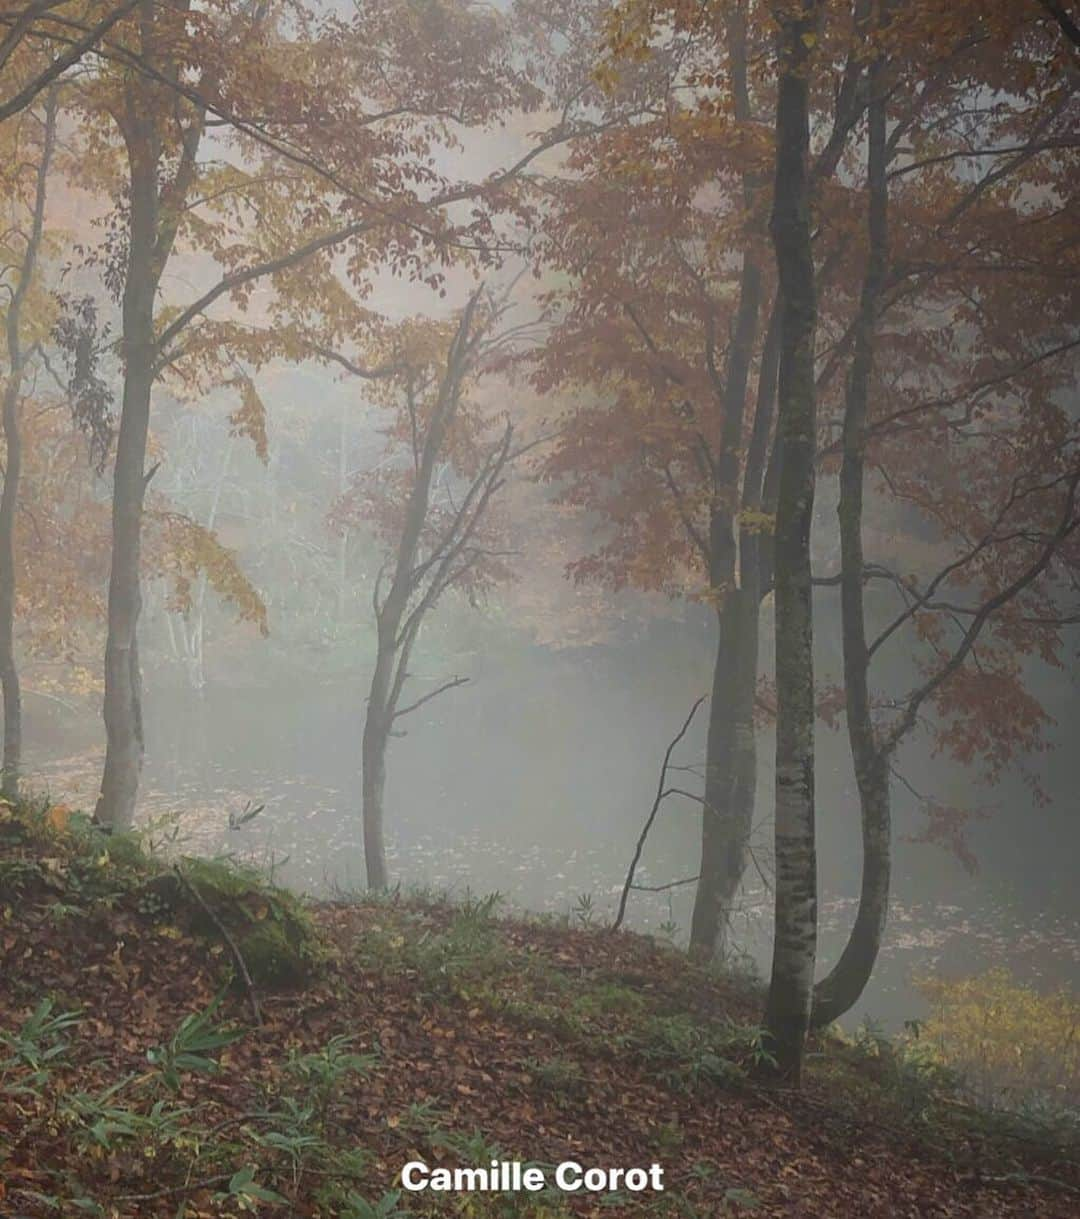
(135, 1082)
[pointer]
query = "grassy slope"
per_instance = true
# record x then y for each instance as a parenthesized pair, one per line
(424, 1031)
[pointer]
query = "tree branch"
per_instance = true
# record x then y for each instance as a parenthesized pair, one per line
(660, 793)
(449, 685)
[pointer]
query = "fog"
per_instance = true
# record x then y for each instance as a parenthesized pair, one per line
(534, 779)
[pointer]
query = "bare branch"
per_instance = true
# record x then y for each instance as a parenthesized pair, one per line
(660, 793)
(449, 685)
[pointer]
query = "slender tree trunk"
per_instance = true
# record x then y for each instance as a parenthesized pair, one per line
(795, 944)
(729, 788)
(123, 683)
(731, 757)
(841, 988)
(731, 749)
(377, 723)
(9, 499)
(9, 672)
(197, 633)
(343, 539)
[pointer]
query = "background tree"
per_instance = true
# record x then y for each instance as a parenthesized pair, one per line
(32, 137)
(669, 320)
(60, 33)
(434, 508)
(364, 181)
(940, 353)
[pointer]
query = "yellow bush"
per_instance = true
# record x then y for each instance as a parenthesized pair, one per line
(1007, 1041)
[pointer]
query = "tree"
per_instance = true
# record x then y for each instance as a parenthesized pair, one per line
(787, 1013)
(434, 511)
(650, 231)
(992, 392)
(24, 237)
(51, 23)
(372, 165)
(670, 321)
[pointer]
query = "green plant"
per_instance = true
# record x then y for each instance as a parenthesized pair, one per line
(246, 1192)
(421, 1117)
(189, 1048)
(323, 1071)
(102, 1122)
(755, 1040)
(358, 1208)
(669, 930)
(296, 1136)
(584, 911)
(559, 1075)
(686, 1052)
(469, 1148)
(15, 876)
(38, 1043)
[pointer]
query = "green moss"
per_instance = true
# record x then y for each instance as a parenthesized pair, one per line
(277, 957)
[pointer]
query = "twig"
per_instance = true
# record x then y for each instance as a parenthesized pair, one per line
(234, 948)
(672, 884)
(172, 1191)
(661, 792)
(450, 685)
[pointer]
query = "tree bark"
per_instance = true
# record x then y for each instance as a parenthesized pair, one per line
(840, 989)
(795, 941)
(729, 787)
(373, 762)
(731, 773)
(9, 499)
(150, 237)
(155, 211)
(728, 800)
(123, 683)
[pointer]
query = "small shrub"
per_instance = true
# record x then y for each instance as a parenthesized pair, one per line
(1009, 1044)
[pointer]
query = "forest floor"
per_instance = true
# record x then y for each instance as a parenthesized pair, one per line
(134, 1083)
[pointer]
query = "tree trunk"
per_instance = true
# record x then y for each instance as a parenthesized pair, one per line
(123, 693)
(795, 942)
(9, 672)
(9, 499)
(729, 789)
(373, 763)
(729, 785)
(343, 539)
(841, 988)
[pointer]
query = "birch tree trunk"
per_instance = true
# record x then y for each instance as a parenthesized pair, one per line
(9, 499)
(795, 941)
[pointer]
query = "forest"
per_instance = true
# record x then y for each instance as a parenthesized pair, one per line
(539, 608)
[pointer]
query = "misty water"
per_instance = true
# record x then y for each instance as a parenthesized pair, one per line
(534, 781)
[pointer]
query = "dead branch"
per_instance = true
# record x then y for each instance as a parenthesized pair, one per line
(672, 884)
(448, 685)
(661, 792)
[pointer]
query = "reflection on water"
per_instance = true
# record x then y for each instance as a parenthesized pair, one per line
(536, 792)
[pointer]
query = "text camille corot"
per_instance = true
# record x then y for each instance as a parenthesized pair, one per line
(511, 1176)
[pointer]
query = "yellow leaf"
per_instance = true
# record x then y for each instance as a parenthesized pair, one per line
(57, 817)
